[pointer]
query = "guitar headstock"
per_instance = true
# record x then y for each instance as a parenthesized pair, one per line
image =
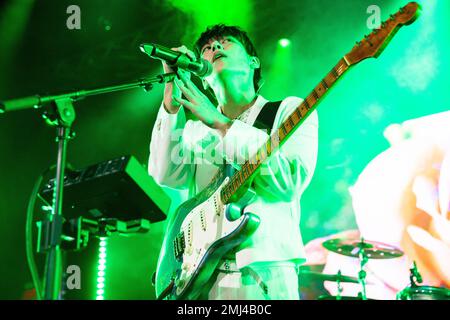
(373, 44)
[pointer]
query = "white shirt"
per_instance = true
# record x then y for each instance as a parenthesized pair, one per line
(187, 154)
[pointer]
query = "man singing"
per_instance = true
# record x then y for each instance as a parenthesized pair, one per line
(188, 154)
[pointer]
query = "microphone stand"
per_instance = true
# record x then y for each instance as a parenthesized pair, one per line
(62, 117)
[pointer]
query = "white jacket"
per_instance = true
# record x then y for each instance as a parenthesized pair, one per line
(187, 154)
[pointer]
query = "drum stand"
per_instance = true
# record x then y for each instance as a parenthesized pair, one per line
(362, 274)
(339, 287)
(363, 250)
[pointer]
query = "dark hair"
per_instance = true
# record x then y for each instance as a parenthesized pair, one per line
(221, 30)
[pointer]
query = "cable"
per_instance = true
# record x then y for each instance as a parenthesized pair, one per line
(29, 234)
(29, 237)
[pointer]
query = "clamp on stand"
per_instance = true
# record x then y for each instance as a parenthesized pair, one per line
(414, 275)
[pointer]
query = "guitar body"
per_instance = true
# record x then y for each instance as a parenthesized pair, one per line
(198, 236)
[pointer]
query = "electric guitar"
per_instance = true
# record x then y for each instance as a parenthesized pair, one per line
(205, 228)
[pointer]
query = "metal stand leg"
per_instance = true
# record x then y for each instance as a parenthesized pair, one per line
(339, 286)
(362, 274)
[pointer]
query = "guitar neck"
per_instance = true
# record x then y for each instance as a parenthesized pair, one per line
(279, 136)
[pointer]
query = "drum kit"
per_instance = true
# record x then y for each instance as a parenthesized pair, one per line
(363, 251)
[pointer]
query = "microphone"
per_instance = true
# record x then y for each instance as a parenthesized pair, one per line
(201, 67)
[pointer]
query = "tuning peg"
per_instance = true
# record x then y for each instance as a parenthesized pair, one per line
(392, 17)
(383, 24)
(368, 40)
(358, 43)
(402, 10)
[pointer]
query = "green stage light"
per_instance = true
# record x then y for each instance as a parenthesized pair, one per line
(14, 17)
(206, 13)
(101, 267)
(284, 42)
(280, 71)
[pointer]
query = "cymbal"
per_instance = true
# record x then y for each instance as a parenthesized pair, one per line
(328, 277)
(371, 249)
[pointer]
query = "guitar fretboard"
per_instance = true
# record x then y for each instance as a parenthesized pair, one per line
(279, 136)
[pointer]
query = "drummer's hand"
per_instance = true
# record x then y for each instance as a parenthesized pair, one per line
(201, 106)
(171, 91)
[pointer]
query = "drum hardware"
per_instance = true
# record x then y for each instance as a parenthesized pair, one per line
(339, 287)
(424, 293)
(414, 275)
(307, 277)
(417, 292)
(352, 248)
(363, 250)
(328, 277)
(362, 273)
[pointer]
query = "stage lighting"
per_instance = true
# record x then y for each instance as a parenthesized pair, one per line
(284, 42)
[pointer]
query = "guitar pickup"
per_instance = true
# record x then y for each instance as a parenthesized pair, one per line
(203, 220)
(179, 244)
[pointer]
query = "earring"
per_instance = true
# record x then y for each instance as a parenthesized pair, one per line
(254, 63)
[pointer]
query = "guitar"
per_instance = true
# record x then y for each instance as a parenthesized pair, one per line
(205, 228)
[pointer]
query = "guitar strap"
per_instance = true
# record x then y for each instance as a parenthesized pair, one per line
(264, 121)
(266, 116)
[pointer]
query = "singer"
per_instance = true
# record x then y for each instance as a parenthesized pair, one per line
(186, 155)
